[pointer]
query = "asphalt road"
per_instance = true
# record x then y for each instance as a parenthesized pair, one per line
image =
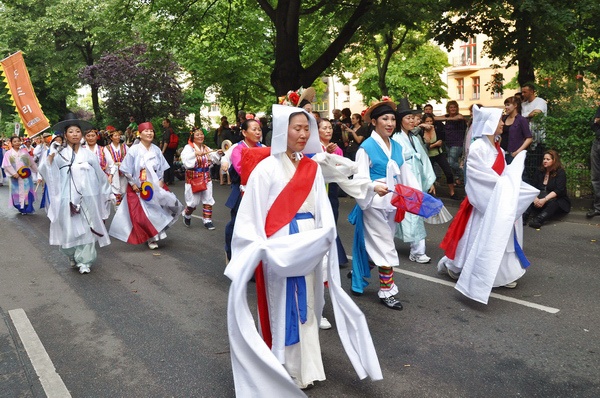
(153, 323)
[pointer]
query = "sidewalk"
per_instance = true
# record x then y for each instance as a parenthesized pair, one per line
(17, 377)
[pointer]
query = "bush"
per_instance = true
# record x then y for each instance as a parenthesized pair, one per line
(568, 132)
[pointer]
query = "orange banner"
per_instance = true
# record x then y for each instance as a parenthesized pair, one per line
(16, 77)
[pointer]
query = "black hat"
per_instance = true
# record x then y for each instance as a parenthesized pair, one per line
(404, 109)
(71, 120)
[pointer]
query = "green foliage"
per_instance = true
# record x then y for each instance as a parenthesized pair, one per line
(568, 131)
(416, 76)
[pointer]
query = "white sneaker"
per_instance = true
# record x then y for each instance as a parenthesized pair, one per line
(72, 263)
(83, 269)
(325, 324)
(153, 245)
(419, 258)
(511, 285)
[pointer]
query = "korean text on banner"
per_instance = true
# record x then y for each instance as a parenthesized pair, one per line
(16, 77)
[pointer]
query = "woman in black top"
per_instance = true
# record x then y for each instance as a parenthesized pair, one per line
(551, 180)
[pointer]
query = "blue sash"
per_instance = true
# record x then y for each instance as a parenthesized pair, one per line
(295, 300)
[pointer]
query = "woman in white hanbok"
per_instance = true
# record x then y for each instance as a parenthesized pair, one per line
(79, 193)
(148, 208)
(483, 245)
(285, 221)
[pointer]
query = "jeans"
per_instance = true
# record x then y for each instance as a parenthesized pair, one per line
(454, 154)
(595, 171)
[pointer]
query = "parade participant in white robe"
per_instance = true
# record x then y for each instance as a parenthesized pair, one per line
(285, 221)
(197, 159)
(20, 168)
(78, 191)
(114, 153)
(379, 158)
(148, 208)
(483, 245)
(91, 144)
(412, 228)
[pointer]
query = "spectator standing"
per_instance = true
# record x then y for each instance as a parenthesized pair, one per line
(516, 135)
(168, 151)
(354, 135)
(336, 123)
(531, 107)
(133, 126)
(454, 129)
(595, 166)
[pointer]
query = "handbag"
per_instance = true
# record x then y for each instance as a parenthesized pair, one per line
(198, 184)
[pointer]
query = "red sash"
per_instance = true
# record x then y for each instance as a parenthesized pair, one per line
(457, 228)
(280, 214)
(141, 227)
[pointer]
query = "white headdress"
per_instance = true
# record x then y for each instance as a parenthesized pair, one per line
(485, 121)
(281, 121)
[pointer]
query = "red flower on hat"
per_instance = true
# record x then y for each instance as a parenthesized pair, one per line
(294, 98)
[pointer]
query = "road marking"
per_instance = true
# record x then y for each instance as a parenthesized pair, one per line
(494, 295)
(51, 381)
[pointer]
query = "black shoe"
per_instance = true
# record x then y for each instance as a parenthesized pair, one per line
(593, 213)
(187, 221)
(357, 294)
(209, 225)
(454, 197)
(535, 223)
(349, 275)
(392, 303)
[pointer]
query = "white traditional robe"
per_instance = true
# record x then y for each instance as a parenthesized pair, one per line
(78, 179)
(261, 372)
(378, 211)
(485, 255)
(162, 209)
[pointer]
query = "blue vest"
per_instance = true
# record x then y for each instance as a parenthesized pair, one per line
(379, 159)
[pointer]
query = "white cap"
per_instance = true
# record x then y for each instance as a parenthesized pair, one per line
(281, 120)
(485, 121)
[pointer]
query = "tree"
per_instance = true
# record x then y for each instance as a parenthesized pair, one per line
(138, 82)
(528, 33)
(415, 75)
(304, 37)
(59, 37)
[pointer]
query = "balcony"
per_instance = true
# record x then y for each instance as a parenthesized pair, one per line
(464, 64)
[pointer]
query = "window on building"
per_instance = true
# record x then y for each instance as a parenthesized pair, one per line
(476, 88)
(215, 108)
(496, 95)
(468, 52)
(460, 89)
(321, 106)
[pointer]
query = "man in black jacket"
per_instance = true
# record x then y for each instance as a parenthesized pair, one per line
(595, 166)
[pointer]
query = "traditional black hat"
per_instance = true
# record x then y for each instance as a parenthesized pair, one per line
(71, 120)
(404, 109)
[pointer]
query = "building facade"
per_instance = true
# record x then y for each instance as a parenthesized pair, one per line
(471, 73)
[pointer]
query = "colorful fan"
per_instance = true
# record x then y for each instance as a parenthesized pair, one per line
(24, 172)
(146, 191)
(416, 202)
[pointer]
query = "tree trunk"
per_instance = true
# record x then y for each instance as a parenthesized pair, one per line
(288, 72)
(525, 48)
